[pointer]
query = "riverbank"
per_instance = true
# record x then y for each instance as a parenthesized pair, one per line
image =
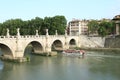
(101, 49)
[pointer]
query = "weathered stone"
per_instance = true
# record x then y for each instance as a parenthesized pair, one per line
(12, 59)
(14, 46)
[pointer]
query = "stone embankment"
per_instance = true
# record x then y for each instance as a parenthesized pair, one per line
(112, 42)
(92, 42)
(101, 49)
(100, 44)
(12, 59)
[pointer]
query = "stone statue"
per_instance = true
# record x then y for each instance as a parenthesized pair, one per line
(46, 31)
(36, 32)
(18, 32)
(8, 32)
(56, 33)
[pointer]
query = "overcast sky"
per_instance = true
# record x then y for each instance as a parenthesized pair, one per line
(78, 9)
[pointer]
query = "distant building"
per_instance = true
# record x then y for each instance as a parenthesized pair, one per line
(77, 27)
(104, 19)
(116, 19)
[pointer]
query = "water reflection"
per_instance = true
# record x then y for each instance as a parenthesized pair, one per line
(1, 65)
(105, 65)
(91, 67)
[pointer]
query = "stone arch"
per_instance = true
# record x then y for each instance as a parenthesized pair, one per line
(5, 50)
(57, 45)
(35, 46)
(72, 43)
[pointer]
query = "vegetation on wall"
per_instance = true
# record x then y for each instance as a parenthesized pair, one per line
(101, 28)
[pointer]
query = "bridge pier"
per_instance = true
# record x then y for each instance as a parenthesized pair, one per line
(17, 57)
(66, 45)
(19, 53)
(47, 48)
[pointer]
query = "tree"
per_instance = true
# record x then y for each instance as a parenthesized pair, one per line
(13, 24)
(106, 28)
(36, 24)
(59, 23)
(47, 23)
(30, 26)
(93, 26)
(54, 23)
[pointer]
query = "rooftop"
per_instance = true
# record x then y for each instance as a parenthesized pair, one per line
(117, 17)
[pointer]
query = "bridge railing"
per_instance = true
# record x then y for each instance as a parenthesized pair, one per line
(56, 36)
(8, 37)
(24, 36)
(33, 36)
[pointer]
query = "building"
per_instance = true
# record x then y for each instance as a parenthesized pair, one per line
(116, 19)
(78, 27)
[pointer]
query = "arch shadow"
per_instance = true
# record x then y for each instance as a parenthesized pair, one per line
(33, 47)
(5, 50)
(72, 43)
(57, 45)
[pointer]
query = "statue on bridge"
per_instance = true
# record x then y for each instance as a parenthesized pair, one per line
(18, 31)
(8, 35)
(36, 32)
(47, 32)
(56, 33)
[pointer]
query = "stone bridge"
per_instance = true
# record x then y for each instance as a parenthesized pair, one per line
(15, 46)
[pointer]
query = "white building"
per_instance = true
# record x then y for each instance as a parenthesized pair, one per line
(77, 27)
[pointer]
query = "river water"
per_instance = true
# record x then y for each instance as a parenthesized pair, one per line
(93, 66)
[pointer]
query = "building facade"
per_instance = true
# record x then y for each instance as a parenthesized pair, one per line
(116, 19)
(78, 27)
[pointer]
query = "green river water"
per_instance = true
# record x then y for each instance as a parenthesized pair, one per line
(93, 66)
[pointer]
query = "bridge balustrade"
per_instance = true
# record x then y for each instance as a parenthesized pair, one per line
(53, 36)
(8, 37)
(33, 36)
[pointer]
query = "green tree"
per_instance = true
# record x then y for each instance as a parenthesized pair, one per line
(36, 24)
(93, 27)
(47, 23)
(30, 26)
(54, 23)
(106, 28)
(12, 25)
(59, 23)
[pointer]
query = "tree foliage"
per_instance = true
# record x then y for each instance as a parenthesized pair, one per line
(106, 28)
(30, 26)
(102, 27)
(93, 27)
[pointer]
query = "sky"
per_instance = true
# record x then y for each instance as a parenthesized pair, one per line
(71, 9)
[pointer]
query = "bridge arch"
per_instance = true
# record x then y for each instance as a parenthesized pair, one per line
(5, 50)
(35, 46)
(72, 43)
(57, 45)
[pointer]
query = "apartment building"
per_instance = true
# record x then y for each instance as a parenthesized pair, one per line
(78, 27)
